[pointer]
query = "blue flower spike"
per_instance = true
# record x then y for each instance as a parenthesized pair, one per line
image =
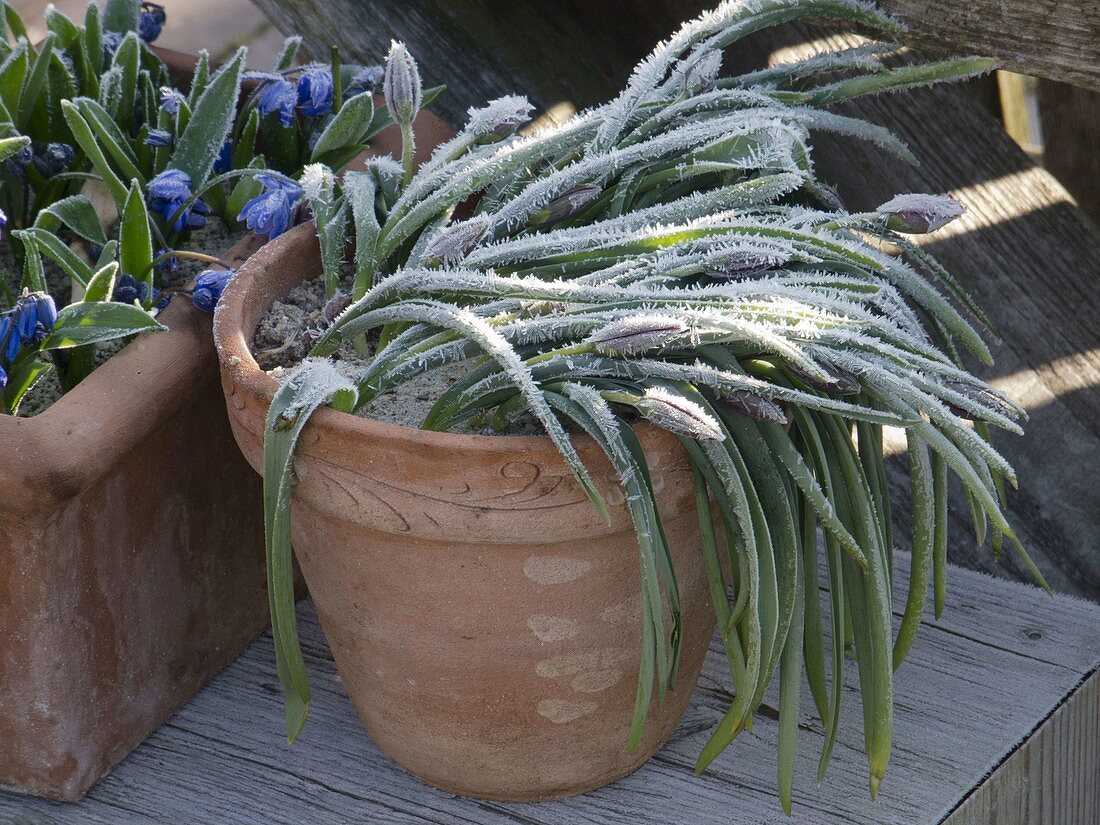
(315, 91)
(129, 290)
(170, 190)
(159, 138)
(224, 161)
(151, 21)
(278, 97)
(170, 100)
(209, 286)
(271, 213)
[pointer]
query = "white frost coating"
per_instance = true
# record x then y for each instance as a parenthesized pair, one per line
(678, 414)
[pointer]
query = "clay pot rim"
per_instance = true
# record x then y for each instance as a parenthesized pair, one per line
(243, 374)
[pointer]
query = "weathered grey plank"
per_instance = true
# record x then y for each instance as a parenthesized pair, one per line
(1059, 39)
(976, 685)
(1070, 120)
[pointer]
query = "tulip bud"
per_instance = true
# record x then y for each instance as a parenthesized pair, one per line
(839, 382)
(401, 84)
(919, 214)
(755, 406)
(565, 205)
(500, 119)
(335, 305)
(700, 72)
(455, 242)
(981, 398)
(741, 263)
(677, 414)
(636, 334)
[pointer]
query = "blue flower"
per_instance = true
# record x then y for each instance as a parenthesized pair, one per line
(151, 22)
(224, 161)
(8, 352)
(3, 378)
(129, 290)
(159, 138)
(315, 91)
(278, 97)
(170, 190)
(170, 100)
(53, 158)
(168, 264)
(271, 212)
(208, 288)
(47, 311)
(365, 80)
(13, 342)
(19, 160)
(110, 42)
(3, 218)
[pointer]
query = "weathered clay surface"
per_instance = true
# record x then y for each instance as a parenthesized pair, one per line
(486, 621)
(131, 557)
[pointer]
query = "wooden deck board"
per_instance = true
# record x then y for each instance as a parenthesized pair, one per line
(980, 680)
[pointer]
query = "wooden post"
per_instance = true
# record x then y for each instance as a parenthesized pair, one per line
(1071, 141)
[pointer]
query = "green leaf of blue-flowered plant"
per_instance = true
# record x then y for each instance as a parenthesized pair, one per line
(9, 146)
(50, 245)
(102, 284)
(210, 123)
(348, 127)
(121, 15)
(89, 323)
(136, 239)
(85, 138)
(31, 94)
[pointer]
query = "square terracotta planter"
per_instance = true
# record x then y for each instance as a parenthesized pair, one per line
(131, 557)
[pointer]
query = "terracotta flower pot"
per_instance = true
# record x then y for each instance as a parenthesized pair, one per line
(485, 620)
(131, 553)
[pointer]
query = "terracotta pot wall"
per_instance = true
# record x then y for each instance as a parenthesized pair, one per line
(486, 622)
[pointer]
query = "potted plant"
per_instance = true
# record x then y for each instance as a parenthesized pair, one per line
(710, 346)
(129, 525)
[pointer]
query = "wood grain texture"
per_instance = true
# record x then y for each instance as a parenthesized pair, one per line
(485, 48)
(1070, 119)
(1059, 39)
(980, 681)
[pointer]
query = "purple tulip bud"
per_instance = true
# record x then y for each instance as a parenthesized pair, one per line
(335, 305)
(919, 214)
(741, 263)
(757, 407)
(565, 205)
(209, 286)
(982, 399)
(677, 414)
(700, 72)
(635, 334)
(500, 119)
(839, 382)
(455, 242)
(401, 84)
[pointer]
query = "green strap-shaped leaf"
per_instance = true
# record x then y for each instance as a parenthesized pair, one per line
(128, 61)
(49, 244)
(136, 240)
(89, 323)
(75, 212)
(84, 136)
(348, 127)
(313, 385)
(11, 145)
(121, 15)
(210, 123)
(31, 95)
(102, 284)
(111, 138)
